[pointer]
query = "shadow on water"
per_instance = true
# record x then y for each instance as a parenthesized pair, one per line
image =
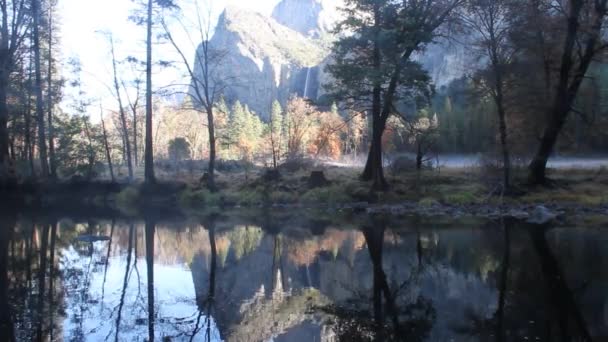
(218, 278)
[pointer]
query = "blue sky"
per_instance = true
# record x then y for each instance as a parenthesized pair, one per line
(83, 20)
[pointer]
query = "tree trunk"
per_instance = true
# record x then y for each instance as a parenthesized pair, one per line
(506, 160)
(419, 157)
(107, 148)
(149, 154)
(374, 170)
(4, 155)
(135, 152)
(28, 123)
(4, 79)
(211, 128)
(91, 150)
(52, 161)
(538, 166)
(38, 90)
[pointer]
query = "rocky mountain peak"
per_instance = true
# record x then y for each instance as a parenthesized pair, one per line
(313, 18)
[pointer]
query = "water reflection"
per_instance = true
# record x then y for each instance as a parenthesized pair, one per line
(219, 278)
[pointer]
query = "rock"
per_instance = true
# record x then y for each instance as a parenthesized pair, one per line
(92, 238)
(312, 18)
(398, 210)
(275, 57)
(517, 214)
(269, 60)
(358, 206)
(541, 215)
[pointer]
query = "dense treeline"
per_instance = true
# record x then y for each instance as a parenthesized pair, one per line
(536, 88)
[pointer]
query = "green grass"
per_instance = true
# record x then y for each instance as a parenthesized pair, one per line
(331, 195)
(195, 198)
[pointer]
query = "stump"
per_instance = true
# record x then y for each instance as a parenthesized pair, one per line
(271, 175)
(317, 179)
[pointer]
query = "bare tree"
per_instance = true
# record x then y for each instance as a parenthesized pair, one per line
(134, 106)
(123, 116)
(206, 85)
(490, 20)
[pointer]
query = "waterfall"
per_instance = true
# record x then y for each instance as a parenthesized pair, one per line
(306, 82)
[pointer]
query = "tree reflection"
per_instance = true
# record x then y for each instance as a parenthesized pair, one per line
(53, 244)
(150, 230)
(571, 322)
(125, 282)
(411, 321)
(209, 223)
(504, 275)
(7, 224)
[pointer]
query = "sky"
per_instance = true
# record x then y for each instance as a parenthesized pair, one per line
(84, 21)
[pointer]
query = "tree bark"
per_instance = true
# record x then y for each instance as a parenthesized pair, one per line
(38, 91)
(538, 167)
(149, 154)
(374, 170)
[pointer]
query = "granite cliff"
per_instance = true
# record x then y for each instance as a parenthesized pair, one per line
(271, 58)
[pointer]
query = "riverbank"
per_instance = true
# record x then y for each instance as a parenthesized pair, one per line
(449, 192)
